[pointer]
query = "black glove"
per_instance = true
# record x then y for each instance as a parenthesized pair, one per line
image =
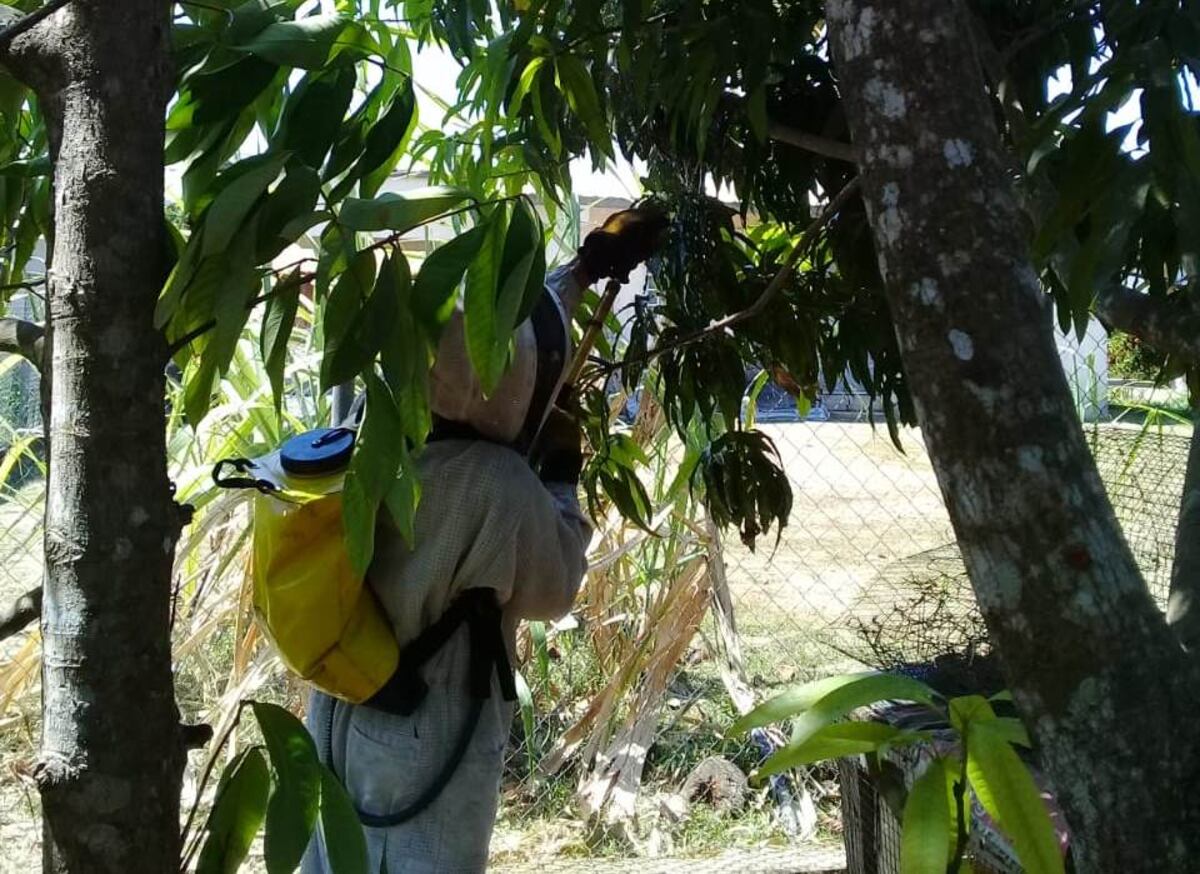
(623, 242)
(558, 457)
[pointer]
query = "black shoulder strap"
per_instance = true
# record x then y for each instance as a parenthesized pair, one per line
(404, 693)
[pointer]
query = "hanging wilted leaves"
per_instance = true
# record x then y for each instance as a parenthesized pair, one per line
(744, 484)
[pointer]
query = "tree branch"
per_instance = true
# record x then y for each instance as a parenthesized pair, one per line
(1168, 325)
(30, 21)
(769, 293)
(818, 145)
(782, 133)
(21, 613)
(26, 339)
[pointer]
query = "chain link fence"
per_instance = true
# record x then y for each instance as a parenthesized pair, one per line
(866, 573)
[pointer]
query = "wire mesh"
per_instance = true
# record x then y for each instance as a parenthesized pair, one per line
(867, 572)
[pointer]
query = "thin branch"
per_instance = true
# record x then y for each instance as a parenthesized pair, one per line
(19, 337)
(194, 844)
(22, 25)
(21, 613)
(783, 133)
(1168, 325)
(769, 293)
(198, 332)
(1045, 28)
(28, 286)
(823, 146)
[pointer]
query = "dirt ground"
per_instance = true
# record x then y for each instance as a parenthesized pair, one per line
(860, 506)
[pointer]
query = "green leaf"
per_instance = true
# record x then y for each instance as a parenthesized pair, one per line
(824, 701)
(834, 742)
(541, 650)
(372, 472)
(292, 199)
(549, 133)
(277, 325)
(528, 719)
(341, 831)
(968, 709)
(479, 305)
(400, 212)
(1005, 788)
(524, 85)
(403, 498)
(405, 358)
(433, 292)
(926, 831)
(348, 337)
(373, 324)
(756, 111)
(314, 113)
(1012, 730)
(228, 212)
(295, 797)
(523, 268)
(237, 814)
(305, 43)
(575, 82)
(387, 139)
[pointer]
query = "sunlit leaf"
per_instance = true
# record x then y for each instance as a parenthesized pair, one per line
(296, 791)
(237, 814)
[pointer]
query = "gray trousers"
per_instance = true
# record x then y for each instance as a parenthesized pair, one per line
(385, 761)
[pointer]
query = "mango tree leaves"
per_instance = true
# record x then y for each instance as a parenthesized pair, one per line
(314, 112)
(305, 43)
(836, 741)
(745, 485)
(926, 835)
(443, 269)
(277, 326)
(386, 140)
(352, 338)
(1006, 789)
(406, 358)
(503, 283)
(487, 354)
(296, 790)
(231, 207)
(341, 831)
(400, 212)
(575, 82)
(824, 701)
(377, 457)
(237, 814)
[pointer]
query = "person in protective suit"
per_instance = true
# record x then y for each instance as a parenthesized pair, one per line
(498, 540)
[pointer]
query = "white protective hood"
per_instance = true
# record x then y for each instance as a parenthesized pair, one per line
(455, 392)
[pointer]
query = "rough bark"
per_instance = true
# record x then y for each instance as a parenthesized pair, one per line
(112, 751)
(1108, 694)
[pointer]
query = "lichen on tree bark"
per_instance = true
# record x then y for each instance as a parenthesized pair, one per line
(1108, 694)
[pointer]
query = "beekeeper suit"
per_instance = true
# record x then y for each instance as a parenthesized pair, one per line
(488, 522)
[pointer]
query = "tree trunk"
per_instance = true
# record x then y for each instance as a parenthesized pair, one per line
(112, 758)
(1108, 694)
(1183, 609)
